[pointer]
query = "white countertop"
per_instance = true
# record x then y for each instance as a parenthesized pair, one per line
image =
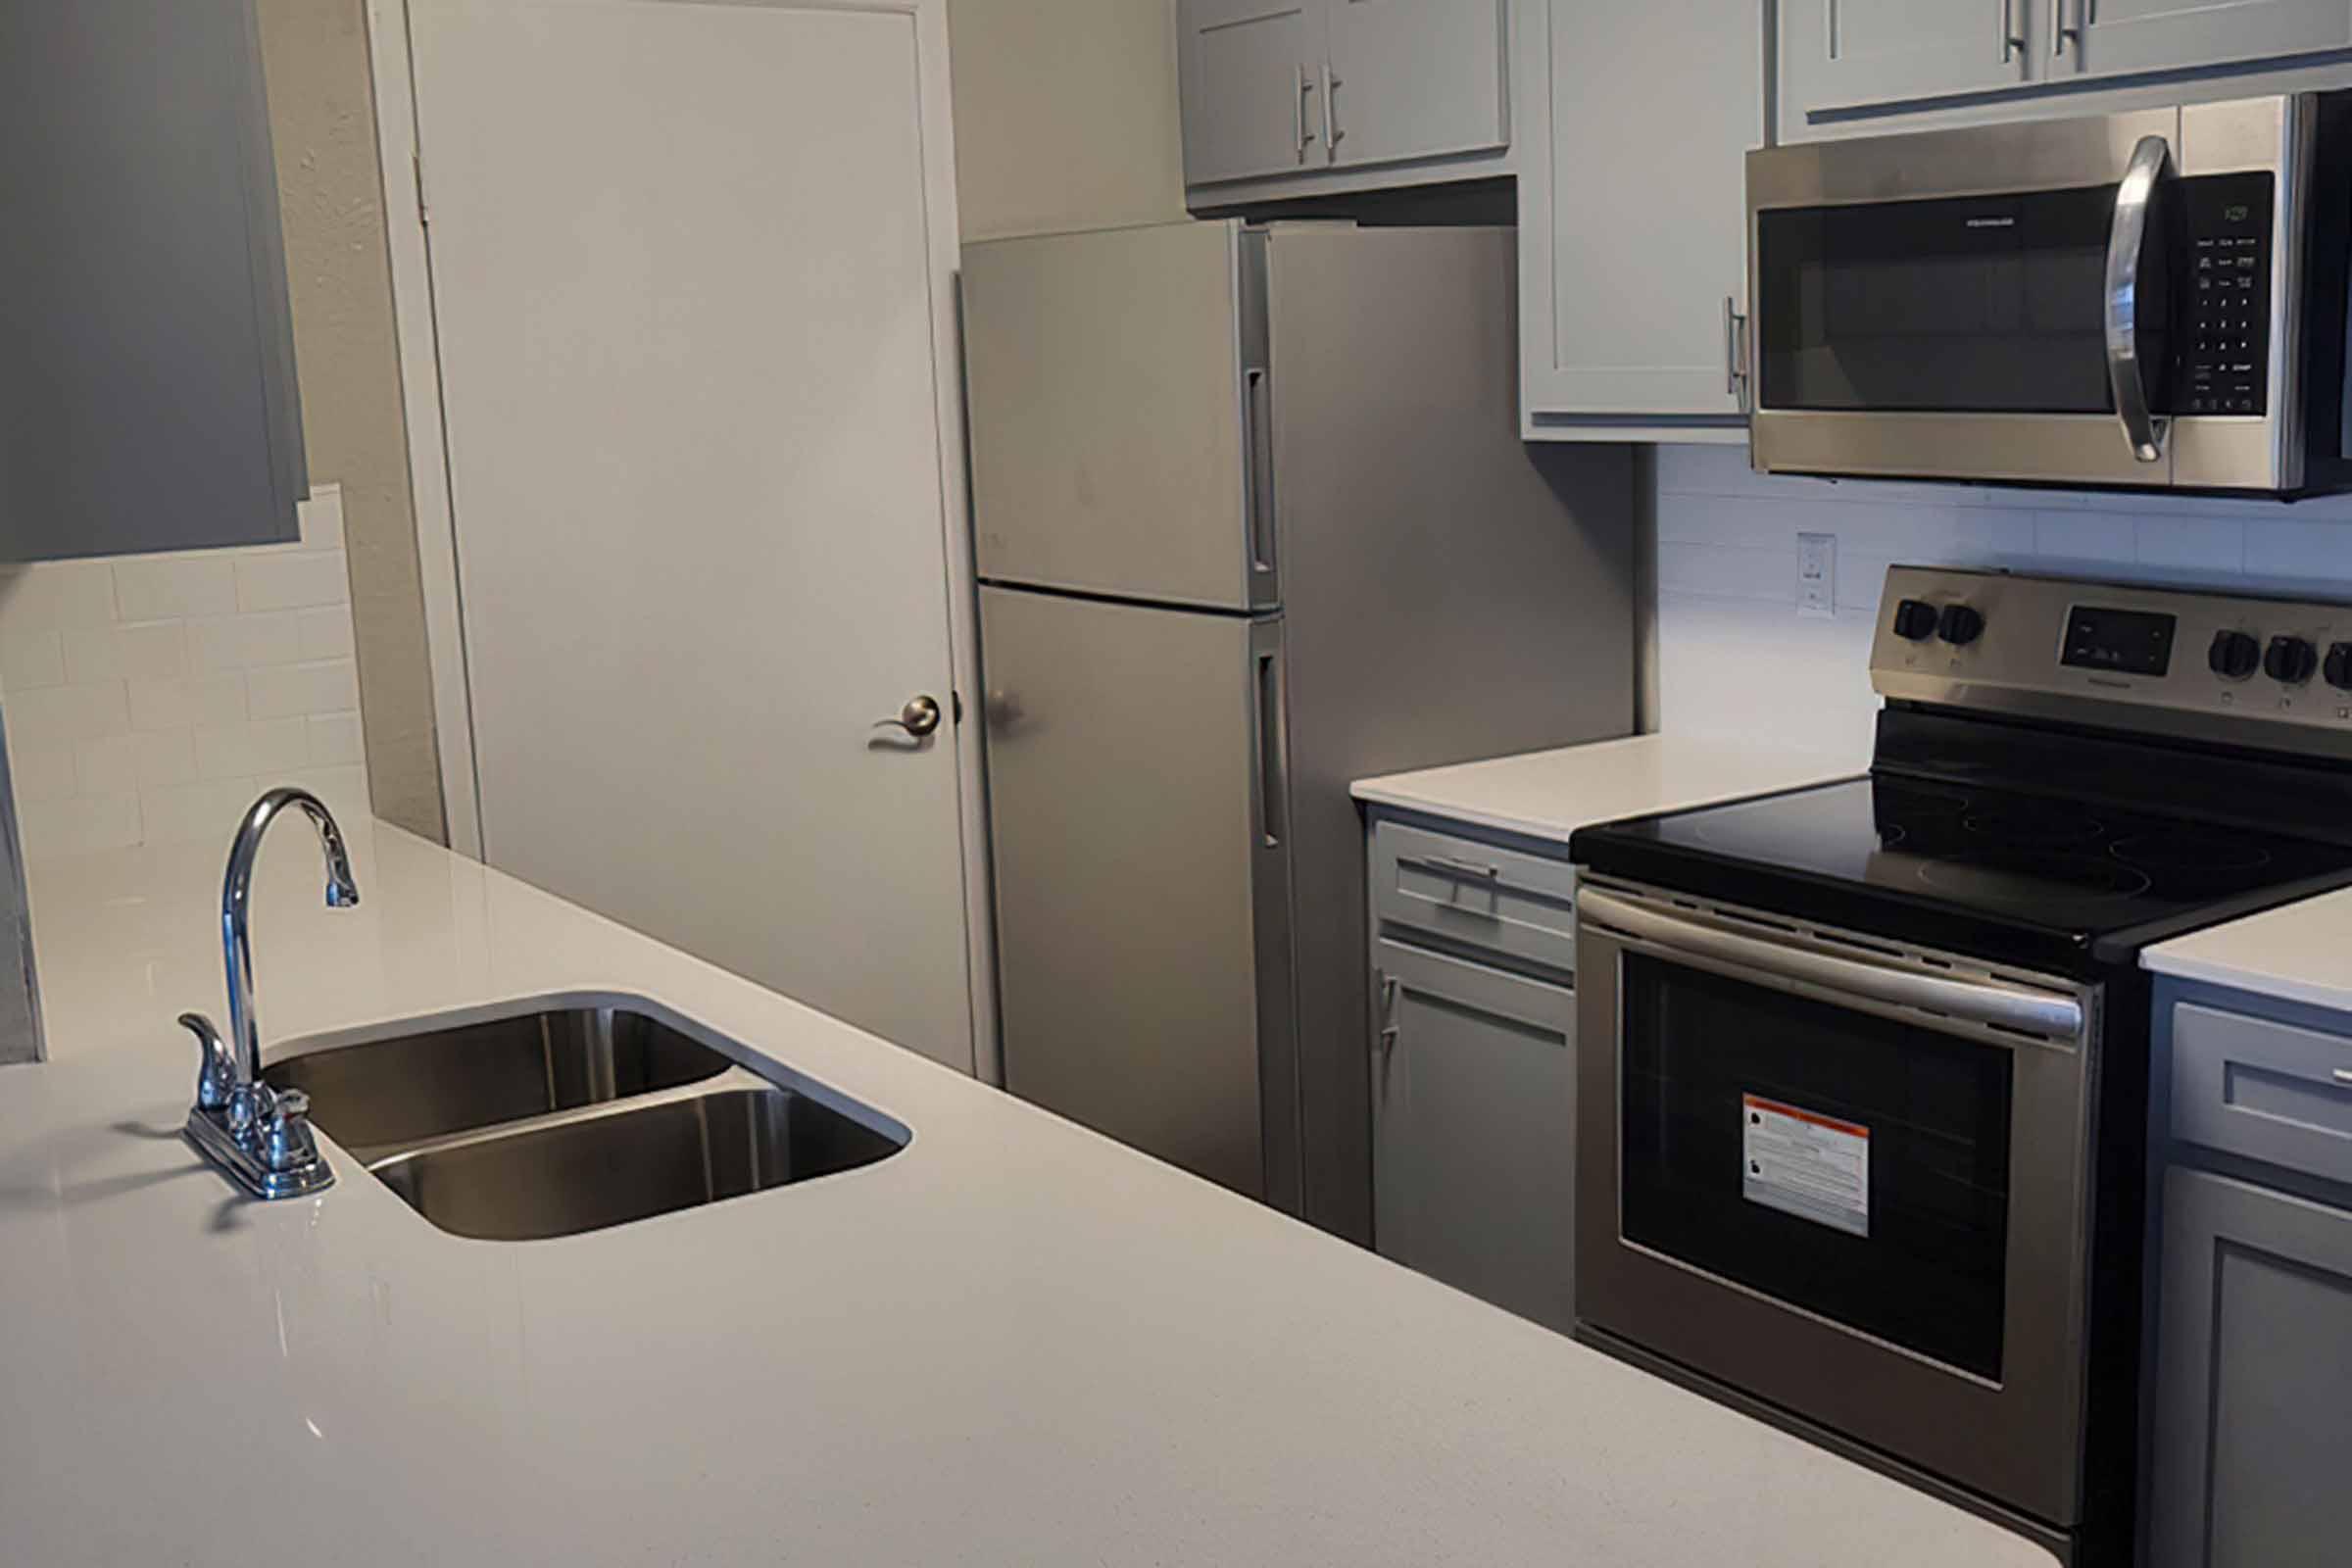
(1549, 795)
(2298, 953)
(1011, 1342)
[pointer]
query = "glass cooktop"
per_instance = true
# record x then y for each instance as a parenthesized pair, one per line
(2072, 879)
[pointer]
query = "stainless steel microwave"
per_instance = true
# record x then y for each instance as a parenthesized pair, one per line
(2151, 299)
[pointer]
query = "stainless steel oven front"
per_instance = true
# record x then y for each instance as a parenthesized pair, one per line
(2120, 300)
(1844, 1177)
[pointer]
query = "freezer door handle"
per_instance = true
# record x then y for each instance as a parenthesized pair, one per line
(1258, 410)
(1266, 773)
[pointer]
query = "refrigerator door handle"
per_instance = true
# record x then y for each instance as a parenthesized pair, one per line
(1259, 409)
(1267, 747)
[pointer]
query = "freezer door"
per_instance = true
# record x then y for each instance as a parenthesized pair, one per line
(1135, 765)
(1120, 413)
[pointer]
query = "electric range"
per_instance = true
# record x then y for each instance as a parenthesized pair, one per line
(1862, 1081)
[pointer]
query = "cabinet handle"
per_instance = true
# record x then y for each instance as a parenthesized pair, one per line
(1385, 1043)
(1734, 361)
(2343, 1075)
(1468, 868)
(1299, 112)
(2060, 31)
(1330, 114)
(2013, 43)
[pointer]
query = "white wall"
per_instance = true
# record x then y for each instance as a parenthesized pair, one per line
(1736, 658)
(1065, 115)
(148, 698)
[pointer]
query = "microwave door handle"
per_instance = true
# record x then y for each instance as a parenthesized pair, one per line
(2124, 292)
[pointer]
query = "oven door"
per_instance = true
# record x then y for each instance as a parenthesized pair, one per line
(2075, 301)
(1844, 1178)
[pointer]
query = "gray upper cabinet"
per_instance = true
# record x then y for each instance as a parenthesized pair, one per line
(1336, 94)
(1415, 78)
(1847, 53)
(147, 395)
(1252, 76)
(1638, 120)
(2114, 37)
(2253, 1418)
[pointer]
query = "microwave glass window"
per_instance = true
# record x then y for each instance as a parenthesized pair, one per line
(1845, 1164)
(1966, 305)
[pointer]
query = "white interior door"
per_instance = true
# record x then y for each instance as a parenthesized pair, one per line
(691, 305)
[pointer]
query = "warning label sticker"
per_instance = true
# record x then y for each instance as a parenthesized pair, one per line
(1800, 1162)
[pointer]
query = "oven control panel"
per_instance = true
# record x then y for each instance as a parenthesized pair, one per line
(2234, 667)
(2223, 336)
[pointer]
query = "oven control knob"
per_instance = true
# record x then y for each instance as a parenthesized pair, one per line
(2234, 655)
(2290, 660)
(1961, 625)
(1915, 621)
(2338, 669)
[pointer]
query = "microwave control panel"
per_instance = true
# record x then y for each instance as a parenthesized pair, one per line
(2225, 336)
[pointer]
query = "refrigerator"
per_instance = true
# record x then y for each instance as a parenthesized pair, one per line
(1252, 519)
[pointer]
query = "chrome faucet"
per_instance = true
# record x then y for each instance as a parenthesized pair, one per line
(259, 1136)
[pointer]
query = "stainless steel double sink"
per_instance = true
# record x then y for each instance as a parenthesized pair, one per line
(562, 1119)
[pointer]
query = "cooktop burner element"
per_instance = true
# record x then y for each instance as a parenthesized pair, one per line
(2026, 806)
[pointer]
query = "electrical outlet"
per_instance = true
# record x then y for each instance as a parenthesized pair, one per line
(1816, 574)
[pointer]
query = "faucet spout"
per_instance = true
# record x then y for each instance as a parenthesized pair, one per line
(236, 902)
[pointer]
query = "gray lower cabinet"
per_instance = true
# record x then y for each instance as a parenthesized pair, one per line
(2252, 1445)
(1473, 1112)
(147, 393)
(1638, 120)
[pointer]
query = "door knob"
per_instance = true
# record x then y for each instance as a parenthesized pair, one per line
(918, 718)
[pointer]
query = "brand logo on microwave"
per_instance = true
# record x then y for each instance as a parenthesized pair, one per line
(1993, 222)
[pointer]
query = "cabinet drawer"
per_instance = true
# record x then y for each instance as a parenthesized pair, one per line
(2264, 1090)
(1521, 906)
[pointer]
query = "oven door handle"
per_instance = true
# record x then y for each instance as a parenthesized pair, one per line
(2001, 1006)
(2133, 202)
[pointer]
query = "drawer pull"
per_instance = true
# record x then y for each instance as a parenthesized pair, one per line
(1465, 868)
(2343, 1075)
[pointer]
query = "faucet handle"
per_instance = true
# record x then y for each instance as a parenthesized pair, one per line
(217, 1076)
(284, 1135)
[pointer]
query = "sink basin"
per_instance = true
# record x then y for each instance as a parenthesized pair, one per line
(391, 1095)
(554, 1121)
(607, 1167)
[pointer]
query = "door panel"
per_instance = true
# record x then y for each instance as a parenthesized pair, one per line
(1109, 442)
(2253, 1402)
(1415, 78)
(693, 444)
(1843, 53)
(2124, 35)
(1634, 286)
(1125, 769)
(1250, 73)
(1474, 1120)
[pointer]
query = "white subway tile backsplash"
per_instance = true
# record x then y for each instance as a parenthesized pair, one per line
(31, 656)
(124, 685)
(176, 587)
(60, 715)
(325, 633)
(334, 740)
(52, 595)
(75, 823)
(186, 701)
(1734, 657)
(207, 809)
(243, 642)
(241, 751)
(290, 690)
(292, 581)
(142, 650)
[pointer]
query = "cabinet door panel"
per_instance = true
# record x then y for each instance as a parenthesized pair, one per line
(1843, 53)
(1415, 78)
(2127, 35)
(2253, 1403)
(1473, 1116)
(1631, 260)
(1250, 70)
